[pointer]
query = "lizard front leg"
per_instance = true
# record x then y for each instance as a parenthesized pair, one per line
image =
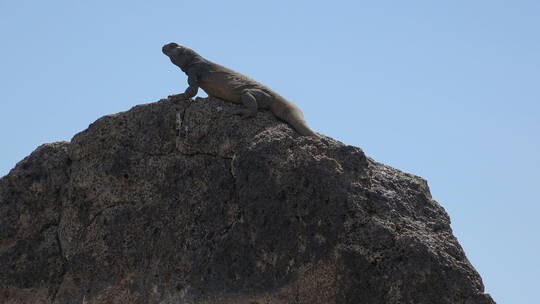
(193, 87)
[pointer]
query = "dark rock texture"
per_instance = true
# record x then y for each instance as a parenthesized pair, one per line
(180, 202)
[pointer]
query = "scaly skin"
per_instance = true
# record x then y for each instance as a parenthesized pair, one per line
(221, 82)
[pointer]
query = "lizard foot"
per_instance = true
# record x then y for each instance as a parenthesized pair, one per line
(244, 113)
(180, 96)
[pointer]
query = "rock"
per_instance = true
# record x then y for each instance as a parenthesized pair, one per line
(180, 202)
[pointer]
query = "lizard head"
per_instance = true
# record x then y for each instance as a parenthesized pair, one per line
(179, 55)
(168, 48)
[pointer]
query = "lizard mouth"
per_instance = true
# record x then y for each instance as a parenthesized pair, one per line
(167, 48)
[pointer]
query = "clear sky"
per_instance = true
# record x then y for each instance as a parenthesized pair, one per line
(448, 90)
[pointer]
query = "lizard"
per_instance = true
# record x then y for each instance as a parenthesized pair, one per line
(226, 84)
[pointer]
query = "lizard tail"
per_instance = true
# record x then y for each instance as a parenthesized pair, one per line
(302, 128)
(292, 115)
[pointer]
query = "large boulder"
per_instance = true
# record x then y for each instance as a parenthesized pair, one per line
(179, 201)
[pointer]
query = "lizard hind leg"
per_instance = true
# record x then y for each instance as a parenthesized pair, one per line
(250, 103)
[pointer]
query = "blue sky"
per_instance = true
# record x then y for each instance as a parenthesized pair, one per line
(448, 90)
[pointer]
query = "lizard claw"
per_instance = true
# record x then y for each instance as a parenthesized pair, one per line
(244, 113)
(178, 96)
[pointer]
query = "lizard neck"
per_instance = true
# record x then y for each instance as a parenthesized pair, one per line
(191, 63)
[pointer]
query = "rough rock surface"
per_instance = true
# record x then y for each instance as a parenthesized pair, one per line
(179, 202)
